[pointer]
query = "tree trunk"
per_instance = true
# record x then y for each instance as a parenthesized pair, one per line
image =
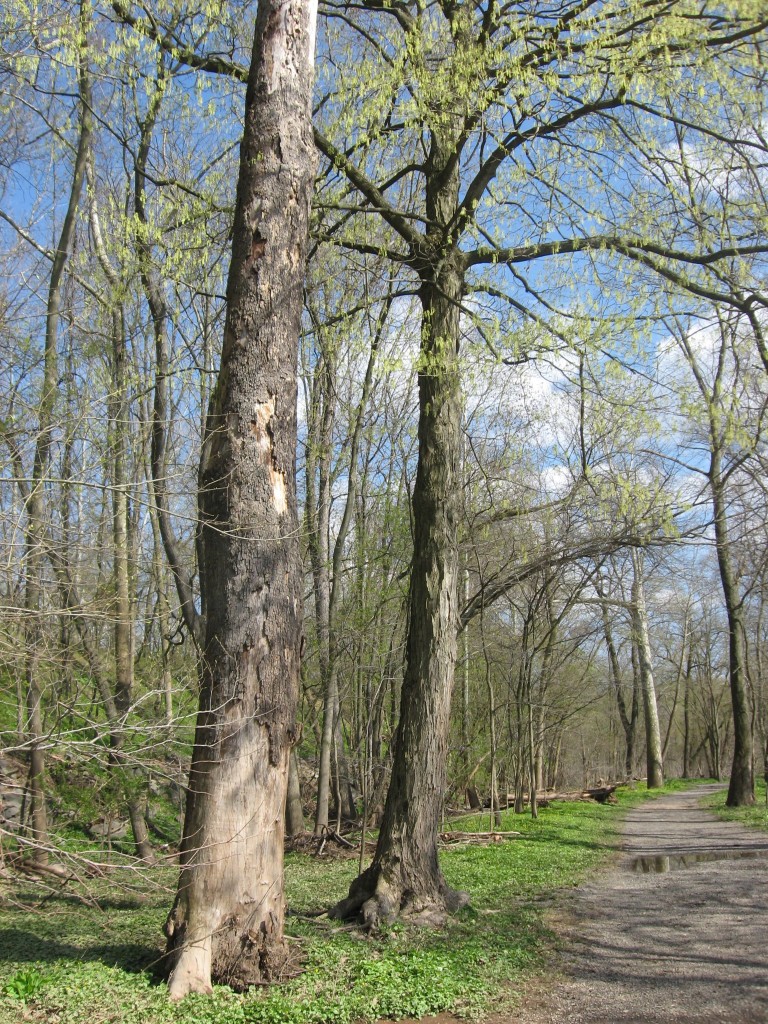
(687, 716)
(741, 788)
(35, 502)
(294, 811)
(405, 876)
(654, 764)
(628, 719)
(678, 678)
(161, 410)
(318, 510)
(227, 922)
(119, 415)
(471, 792)
(717, 394)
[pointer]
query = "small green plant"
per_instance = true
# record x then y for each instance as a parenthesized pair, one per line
(24, 985)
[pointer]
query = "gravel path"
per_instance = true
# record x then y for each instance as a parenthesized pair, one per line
(675, 932)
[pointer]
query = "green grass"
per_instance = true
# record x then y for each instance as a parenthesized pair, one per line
(63, 961)
(755, 816)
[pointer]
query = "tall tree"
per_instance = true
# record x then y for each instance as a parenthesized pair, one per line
(34, 496)
(491, 103)
(227, 921)
(641, 639)
(466, 134)
(627, 715)
(717, 352)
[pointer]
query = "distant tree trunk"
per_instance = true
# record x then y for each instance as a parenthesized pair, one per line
(553, 775)
(227, 921)
(654, 763)
(687, 714)
(532, 784)
(495, 815)
(678, 678)
(294, 812)
(628, 718)
(318, 510)
(35, 500)
(161, 410)
(158, 578)
(119, 415)
(741, 788)
(470, 791)
(538, 725)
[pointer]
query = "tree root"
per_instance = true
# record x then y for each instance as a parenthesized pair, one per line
(376, 899)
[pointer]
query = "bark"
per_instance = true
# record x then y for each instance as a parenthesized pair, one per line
(318, 514)
(653, 756)
(537, 726)
(471, 793)
(162, 606)
(405, 876)
(227, 922)
(533, 796)
(493, 749)
(717, 395)
(687, 715)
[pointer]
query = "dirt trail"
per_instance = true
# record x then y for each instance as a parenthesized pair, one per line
(679, 937)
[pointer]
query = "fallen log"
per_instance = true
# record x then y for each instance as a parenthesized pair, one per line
(602, 794)
(479, 838)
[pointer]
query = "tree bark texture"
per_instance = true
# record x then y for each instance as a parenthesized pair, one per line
(227, 921)
(404, 877)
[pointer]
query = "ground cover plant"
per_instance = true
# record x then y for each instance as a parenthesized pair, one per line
(90, 953)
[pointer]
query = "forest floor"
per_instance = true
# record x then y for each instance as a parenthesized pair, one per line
(648, 910)
(673, 931)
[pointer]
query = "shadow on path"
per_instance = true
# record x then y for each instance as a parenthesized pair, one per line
(688, 945)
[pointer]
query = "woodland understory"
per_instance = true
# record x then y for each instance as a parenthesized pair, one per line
(382, 432)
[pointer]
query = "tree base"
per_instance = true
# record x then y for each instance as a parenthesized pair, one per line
(235, 956)
(376, 899)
